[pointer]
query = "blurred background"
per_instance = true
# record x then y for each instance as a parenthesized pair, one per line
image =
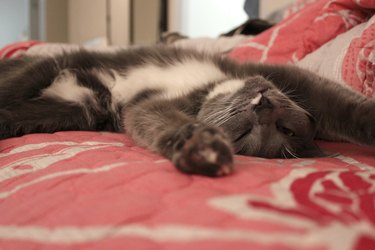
(124, 22)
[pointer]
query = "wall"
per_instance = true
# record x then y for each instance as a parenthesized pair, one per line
(87, 20)
(146, 21)
(120, 23)
(56, 23)
(13, 20)
(75, 21)
(208, 18)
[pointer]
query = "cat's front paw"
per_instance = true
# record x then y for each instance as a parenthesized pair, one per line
(204, 151)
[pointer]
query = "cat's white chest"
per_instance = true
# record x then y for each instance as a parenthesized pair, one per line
(173, 80)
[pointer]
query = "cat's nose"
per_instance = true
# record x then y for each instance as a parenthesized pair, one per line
(264, 103)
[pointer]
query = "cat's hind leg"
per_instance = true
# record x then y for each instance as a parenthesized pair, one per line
(43, 115)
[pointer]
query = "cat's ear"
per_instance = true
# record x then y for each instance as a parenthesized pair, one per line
(311, 150)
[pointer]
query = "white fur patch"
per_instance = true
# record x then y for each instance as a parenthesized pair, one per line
(256, 99)
(66, 87)
(106, 78)
(175, 80)
(227, 87)
(209, 155)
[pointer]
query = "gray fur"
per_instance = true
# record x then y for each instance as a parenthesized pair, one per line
(277, 112)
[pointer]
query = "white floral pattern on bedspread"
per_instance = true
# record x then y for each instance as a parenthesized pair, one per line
(79, 190)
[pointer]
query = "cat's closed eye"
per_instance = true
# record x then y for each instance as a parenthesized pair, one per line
(284, 130)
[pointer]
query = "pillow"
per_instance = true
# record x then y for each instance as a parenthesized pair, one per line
(17, 49)
(348, 59)
(304, 30)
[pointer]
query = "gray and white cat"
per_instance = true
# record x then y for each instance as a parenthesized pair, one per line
(197, 110)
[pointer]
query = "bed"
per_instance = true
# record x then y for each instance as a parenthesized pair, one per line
(97, 190)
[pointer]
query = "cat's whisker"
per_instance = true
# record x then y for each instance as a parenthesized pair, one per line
(291, 152)
(216, 116)
(221, 120)
(283, 153)
(224, 119)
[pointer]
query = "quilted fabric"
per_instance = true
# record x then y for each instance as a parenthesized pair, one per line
(86, 190)
(309, 25)
(335, 39)
(17, 49)
(348, 59)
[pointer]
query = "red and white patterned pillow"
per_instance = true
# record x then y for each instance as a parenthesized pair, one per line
(305, 30)
(348, 59)
(336, 40)
(17, 49)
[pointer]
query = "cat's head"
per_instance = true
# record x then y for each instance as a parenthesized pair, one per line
(260, 119)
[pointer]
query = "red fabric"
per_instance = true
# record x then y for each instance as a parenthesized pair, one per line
(16, 49)
(80, 190)
(304, 31)
(358, 66)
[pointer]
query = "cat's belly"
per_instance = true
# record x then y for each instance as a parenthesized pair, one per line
(173, 80)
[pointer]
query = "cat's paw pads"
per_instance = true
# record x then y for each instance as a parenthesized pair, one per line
(206, 152)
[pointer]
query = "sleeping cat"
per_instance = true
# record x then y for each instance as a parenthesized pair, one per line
(197, 110)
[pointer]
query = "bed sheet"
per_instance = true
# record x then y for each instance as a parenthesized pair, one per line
(87, 190)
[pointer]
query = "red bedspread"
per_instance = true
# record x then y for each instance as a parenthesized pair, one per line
(80, 190)
(88, 190)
